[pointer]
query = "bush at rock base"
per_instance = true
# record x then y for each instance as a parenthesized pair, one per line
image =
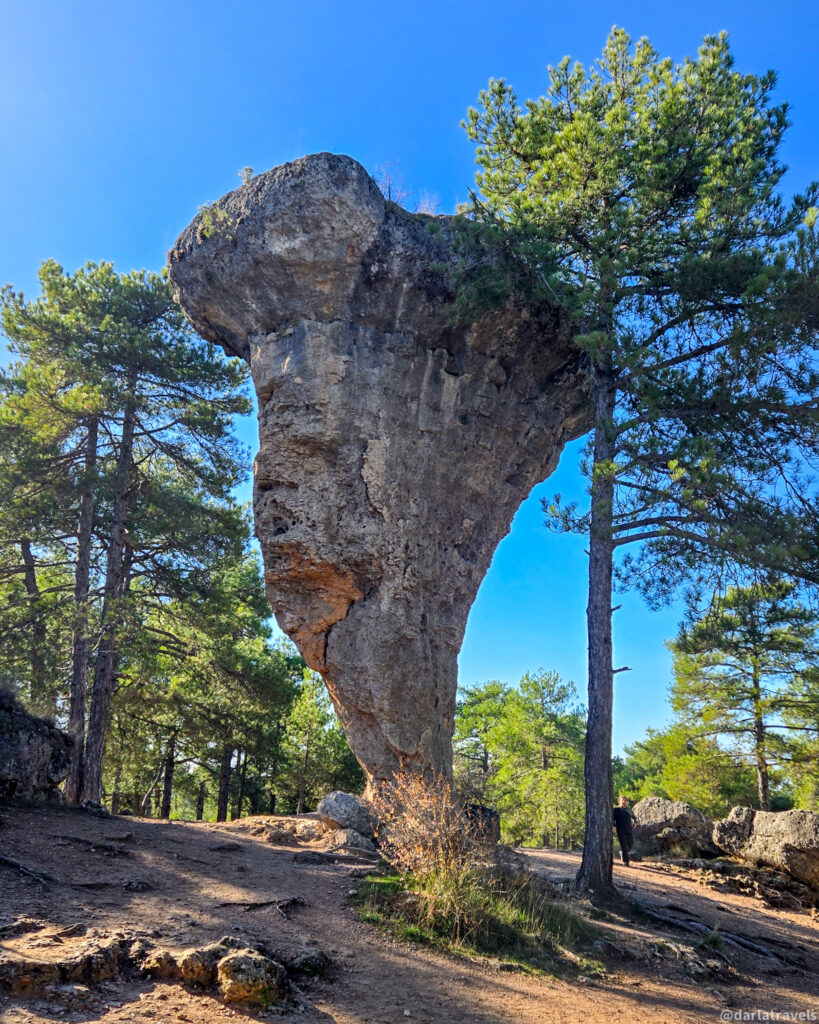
(454, 886)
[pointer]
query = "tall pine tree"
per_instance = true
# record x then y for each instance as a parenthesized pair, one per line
(642, 197)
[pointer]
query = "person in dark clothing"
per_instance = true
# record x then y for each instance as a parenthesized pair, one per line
(623, 823)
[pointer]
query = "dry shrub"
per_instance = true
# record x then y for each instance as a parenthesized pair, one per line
(424, 830)
(453, 883)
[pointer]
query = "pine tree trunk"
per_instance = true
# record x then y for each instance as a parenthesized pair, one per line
(167, 778)
(596, 867)
(271, 802)
(41, 694)
(79, 657)
(760, 753)
(303, 775)
(107, 660)
(224, 784)
(115, 794)
(200, 801)
(237, 811)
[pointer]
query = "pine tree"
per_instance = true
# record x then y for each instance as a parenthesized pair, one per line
(479, 713)
(677, 765)
(538, 786)
(738, 670)
(642, 198)
(138, 396)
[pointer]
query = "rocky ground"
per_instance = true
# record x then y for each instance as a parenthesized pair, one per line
(131, 888)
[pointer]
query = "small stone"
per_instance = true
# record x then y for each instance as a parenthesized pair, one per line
(133, 884)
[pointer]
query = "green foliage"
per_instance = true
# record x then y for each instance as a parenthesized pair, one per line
(215, 221)
(115, 412)
(672, 765)
(317, 756)
(479, 713)
(521, 751)
(641, 197)
(745, 672)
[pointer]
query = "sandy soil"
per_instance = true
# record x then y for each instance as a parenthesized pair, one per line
(195, 895)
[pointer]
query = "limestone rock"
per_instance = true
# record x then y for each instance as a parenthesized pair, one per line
(345, 810)
(198, 966)
(348, 838)
(785, 840)
(395, 445)
(252, 978)
(34, 756)
(91, 962)
(23, 977)
(662, 826)
(161, 964)
(732, 833)
(308, 959)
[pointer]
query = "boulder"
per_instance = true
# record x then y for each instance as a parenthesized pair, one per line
(348, 838)
(785, 840)
(253, 979)
(346, 811)
(671, 826)
(396, 444)
(34, 755)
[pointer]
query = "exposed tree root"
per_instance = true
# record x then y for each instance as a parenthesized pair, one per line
(45, 879)
(282, 904)
(94, 844)
(697, 927)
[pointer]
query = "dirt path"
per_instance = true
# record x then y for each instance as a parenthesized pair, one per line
(195, 894)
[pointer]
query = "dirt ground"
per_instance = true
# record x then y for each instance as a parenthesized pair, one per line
(177, 889)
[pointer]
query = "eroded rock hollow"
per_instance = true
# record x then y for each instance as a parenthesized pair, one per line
(394, 446)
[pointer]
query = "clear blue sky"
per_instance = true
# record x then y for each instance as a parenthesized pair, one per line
(119, 120)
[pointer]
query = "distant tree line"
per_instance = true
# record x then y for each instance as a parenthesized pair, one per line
(132, 608)
(745, 729)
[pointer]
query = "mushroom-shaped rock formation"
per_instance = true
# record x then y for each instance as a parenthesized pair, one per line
(394, 445)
